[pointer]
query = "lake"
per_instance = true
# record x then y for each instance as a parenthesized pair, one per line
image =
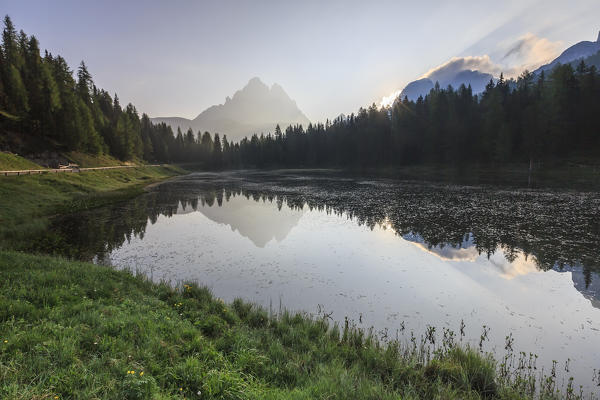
(397, 256)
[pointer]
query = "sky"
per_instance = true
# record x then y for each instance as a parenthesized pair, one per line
(176, 58)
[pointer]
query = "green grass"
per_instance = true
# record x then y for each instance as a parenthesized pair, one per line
(27, 201)
(89, 161)
(72, 330)
(12, 162)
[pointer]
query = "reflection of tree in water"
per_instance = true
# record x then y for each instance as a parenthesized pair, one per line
(559, 229)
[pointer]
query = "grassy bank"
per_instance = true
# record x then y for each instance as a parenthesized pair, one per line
(81, 331)
(12, 162)
(27, 201)
(89, 161)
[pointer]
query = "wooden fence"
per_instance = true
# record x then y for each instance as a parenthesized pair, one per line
(64, 170)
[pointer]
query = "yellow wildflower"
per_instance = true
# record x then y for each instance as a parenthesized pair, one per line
(142, 373)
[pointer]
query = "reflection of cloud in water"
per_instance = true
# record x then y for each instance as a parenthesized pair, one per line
(521, 264)
(449, 253)
(465, 252)
(257, 220)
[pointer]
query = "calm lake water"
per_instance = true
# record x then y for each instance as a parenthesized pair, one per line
(392, 255)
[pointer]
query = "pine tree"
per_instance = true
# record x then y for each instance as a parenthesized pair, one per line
(217, 154)
(9, 43)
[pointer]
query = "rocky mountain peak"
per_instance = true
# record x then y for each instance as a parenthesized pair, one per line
(256, 108)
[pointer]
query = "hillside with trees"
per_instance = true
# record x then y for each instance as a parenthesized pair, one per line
(552, 116)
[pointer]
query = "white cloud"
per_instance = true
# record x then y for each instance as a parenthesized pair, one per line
(447, 70)
(387, 101)
(528, 52)
(521, 265)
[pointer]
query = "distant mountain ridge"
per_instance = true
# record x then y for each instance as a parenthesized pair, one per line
(421, 87)
(584, 50)
(254, 109)
(578, 51)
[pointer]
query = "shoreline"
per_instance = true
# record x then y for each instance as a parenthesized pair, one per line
(28, 202)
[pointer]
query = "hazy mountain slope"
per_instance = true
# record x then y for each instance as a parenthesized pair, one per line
(476, 79)
(254, 109)
(174, 122)
(417, 88)
(576, 52)
(589, 61)
(421, 87)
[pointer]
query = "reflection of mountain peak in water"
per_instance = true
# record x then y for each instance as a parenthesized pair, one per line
(589, 285)
(259, 221)
(518, 265)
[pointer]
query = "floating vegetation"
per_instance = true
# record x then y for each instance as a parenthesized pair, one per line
(558, 229)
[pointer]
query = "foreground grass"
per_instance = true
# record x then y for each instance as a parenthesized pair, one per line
(12, 162)
(27, 201)
(81, 331)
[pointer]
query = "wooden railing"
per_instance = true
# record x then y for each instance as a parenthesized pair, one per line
(72, 170)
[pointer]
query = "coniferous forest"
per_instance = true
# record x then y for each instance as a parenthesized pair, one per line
(545, 117)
